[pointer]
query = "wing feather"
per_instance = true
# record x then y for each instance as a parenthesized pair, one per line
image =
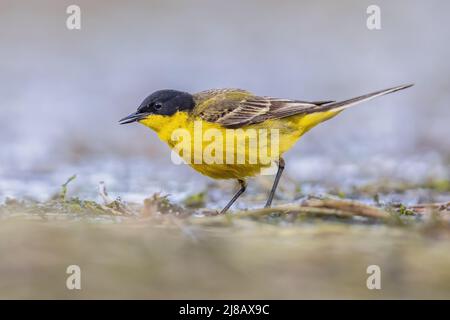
(234, 108)
(258, 109)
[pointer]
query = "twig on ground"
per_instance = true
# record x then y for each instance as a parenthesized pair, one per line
(353, 207)
(314, 207)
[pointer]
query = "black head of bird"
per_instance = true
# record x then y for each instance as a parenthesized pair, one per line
(161, 102)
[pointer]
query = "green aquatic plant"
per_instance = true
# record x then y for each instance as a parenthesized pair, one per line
(196, 200)
(61, 204)
(63, 193)
(404, 211)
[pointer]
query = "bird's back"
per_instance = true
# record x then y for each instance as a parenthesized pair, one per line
(211, 105)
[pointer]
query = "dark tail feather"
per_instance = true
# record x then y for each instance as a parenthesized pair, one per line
(319, 103)
(351, 102)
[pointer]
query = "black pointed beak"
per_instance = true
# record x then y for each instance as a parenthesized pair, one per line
(133, 117)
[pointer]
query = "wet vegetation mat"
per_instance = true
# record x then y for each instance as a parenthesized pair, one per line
(313, 247)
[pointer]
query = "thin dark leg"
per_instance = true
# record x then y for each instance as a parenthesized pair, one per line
(237, 195)
(275, 183)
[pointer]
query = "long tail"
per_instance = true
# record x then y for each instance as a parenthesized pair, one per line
(338, 106)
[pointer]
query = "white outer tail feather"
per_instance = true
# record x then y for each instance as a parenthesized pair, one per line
(338, 106)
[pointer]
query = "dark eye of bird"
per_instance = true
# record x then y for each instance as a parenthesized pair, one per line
(157, 106)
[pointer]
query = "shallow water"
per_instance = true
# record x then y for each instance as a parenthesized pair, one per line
(133, 180)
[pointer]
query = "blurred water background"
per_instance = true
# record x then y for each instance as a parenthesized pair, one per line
(63, 91)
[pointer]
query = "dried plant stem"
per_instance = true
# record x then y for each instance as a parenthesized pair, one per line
(315, 207)
(353, 207)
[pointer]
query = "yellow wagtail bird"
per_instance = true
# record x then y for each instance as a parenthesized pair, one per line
(220, 110)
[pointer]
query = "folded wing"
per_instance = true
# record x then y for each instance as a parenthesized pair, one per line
(236, 108)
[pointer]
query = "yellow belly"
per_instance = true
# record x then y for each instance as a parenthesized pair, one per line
(231, 153)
